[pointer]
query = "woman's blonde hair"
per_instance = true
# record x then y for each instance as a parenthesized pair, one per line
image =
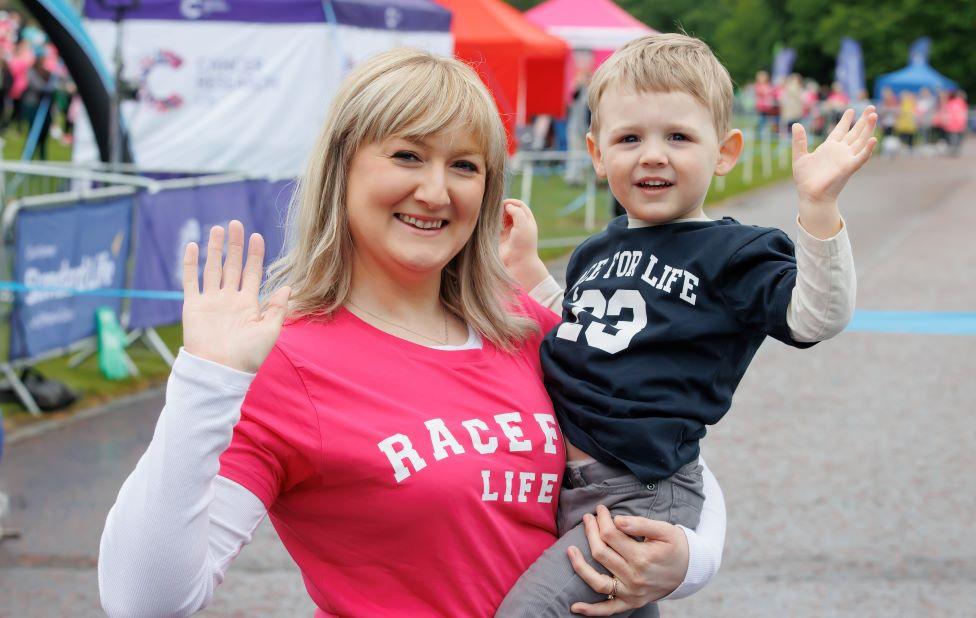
(410, 94)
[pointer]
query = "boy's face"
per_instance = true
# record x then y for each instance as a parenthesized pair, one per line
(659, 151)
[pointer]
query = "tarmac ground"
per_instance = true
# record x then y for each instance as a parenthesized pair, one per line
(846, 468)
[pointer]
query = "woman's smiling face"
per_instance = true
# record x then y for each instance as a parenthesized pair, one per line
(413, 203)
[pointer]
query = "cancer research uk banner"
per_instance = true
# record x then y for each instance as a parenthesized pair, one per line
(234, 85)
(80, 247)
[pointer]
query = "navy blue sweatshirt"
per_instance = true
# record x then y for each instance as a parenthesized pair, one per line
(659, 325)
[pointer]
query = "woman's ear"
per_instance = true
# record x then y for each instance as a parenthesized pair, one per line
(728, 152)
(595, 155)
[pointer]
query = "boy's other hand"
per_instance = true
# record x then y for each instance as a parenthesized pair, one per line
(518, 245)
(821, 175)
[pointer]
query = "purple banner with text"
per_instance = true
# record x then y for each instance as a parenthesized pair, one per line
(168, 220)
(59, 254)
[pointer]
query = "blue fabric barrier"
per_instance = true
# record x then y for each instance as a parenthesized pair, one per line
(167, 221)
(83, 246)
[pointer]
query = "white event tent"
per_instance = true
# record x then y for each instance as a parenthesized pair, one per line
(244, 85)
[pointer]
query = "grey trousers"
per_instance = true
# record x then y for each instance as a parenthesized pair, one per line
(550, 586)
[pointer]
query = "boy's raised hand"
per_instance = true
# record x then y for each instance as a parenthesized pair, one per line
(519, 245)
(225, 322)
(821, 175)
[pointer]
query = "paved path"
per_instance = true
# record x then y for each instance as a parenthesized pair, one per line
(847, 468)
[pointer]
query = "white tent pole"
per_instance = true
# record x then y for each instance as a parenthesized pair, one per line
(520, 119)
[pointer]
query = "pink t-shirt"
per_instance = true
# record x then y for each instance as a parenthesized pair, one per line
(955, 115)
(19, 65)
(403, 480)
(765, 97)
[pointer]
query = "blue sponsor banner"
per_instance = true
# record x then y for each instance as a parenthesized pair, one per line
(918, 53)
(269, 208)
(783, 64)
(850, 68)
(84, 246)
(168, 220)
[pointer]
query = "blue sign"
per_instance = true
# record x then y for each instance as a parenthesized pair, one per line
(850, 68)
(269, 208)
(167, 221)
(918, 53)
(84, 246)
(783, 64)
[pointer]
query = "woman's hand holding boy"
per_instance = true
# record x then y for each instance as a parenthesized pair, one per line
(645, 570)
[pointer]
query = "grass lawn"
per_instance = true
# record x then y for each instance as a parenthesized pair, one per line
(17, 186)
(13, 146)
(87, 380)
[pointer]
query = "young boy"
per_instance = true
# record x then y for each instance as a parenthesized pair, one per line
(666, 308)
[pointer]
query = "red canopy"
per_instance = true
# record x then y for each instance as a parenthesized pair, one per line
(522, 65)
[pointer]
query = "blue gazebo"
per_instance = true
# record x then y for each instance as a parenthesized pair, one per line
(913, 78)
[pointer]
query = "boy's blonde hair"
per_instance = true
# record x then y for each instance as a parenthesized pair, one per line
(666, 63)
(410, 94)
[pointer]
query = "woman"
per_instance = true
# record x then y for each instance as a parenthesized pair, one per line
(792, 101)
(397, 431)
(40, 86)
(906, 125)
(19, 63)
(766, 101)
(955, 120)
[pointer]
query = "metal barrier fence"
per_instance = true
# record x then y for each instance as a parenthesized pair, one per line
(37, 215)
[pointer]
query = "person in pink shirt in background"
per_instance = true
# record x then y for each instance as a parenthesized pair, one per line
(835, 104)
(385, 406)
(955, 119)
(767, 100)
(20, 65)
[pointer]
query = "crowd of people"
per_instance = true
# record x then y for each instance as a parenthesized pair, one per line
(926, 122)
(34, 83)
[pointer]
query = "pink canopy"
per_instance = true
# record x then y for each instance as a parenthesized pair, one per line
(594, 25)
(594, 29)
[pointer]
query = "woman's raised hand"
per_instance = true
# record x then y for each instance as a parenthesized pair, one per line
(225, 322)
(645, 570)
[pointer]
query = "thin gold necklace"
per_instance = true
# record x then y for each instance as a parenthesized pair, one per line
(402, 327)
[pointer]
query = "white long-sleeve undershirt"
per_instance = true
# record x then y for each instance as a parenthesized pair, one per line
(176, 525)
(822, 302)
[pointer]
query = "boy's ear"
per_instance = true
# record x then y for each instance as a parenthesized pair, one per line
(595, 155)
(728, 152)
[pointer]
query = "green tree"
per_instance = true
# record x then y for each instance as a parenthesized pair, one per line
(886, 35)
(744, 41)
(743, 32)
